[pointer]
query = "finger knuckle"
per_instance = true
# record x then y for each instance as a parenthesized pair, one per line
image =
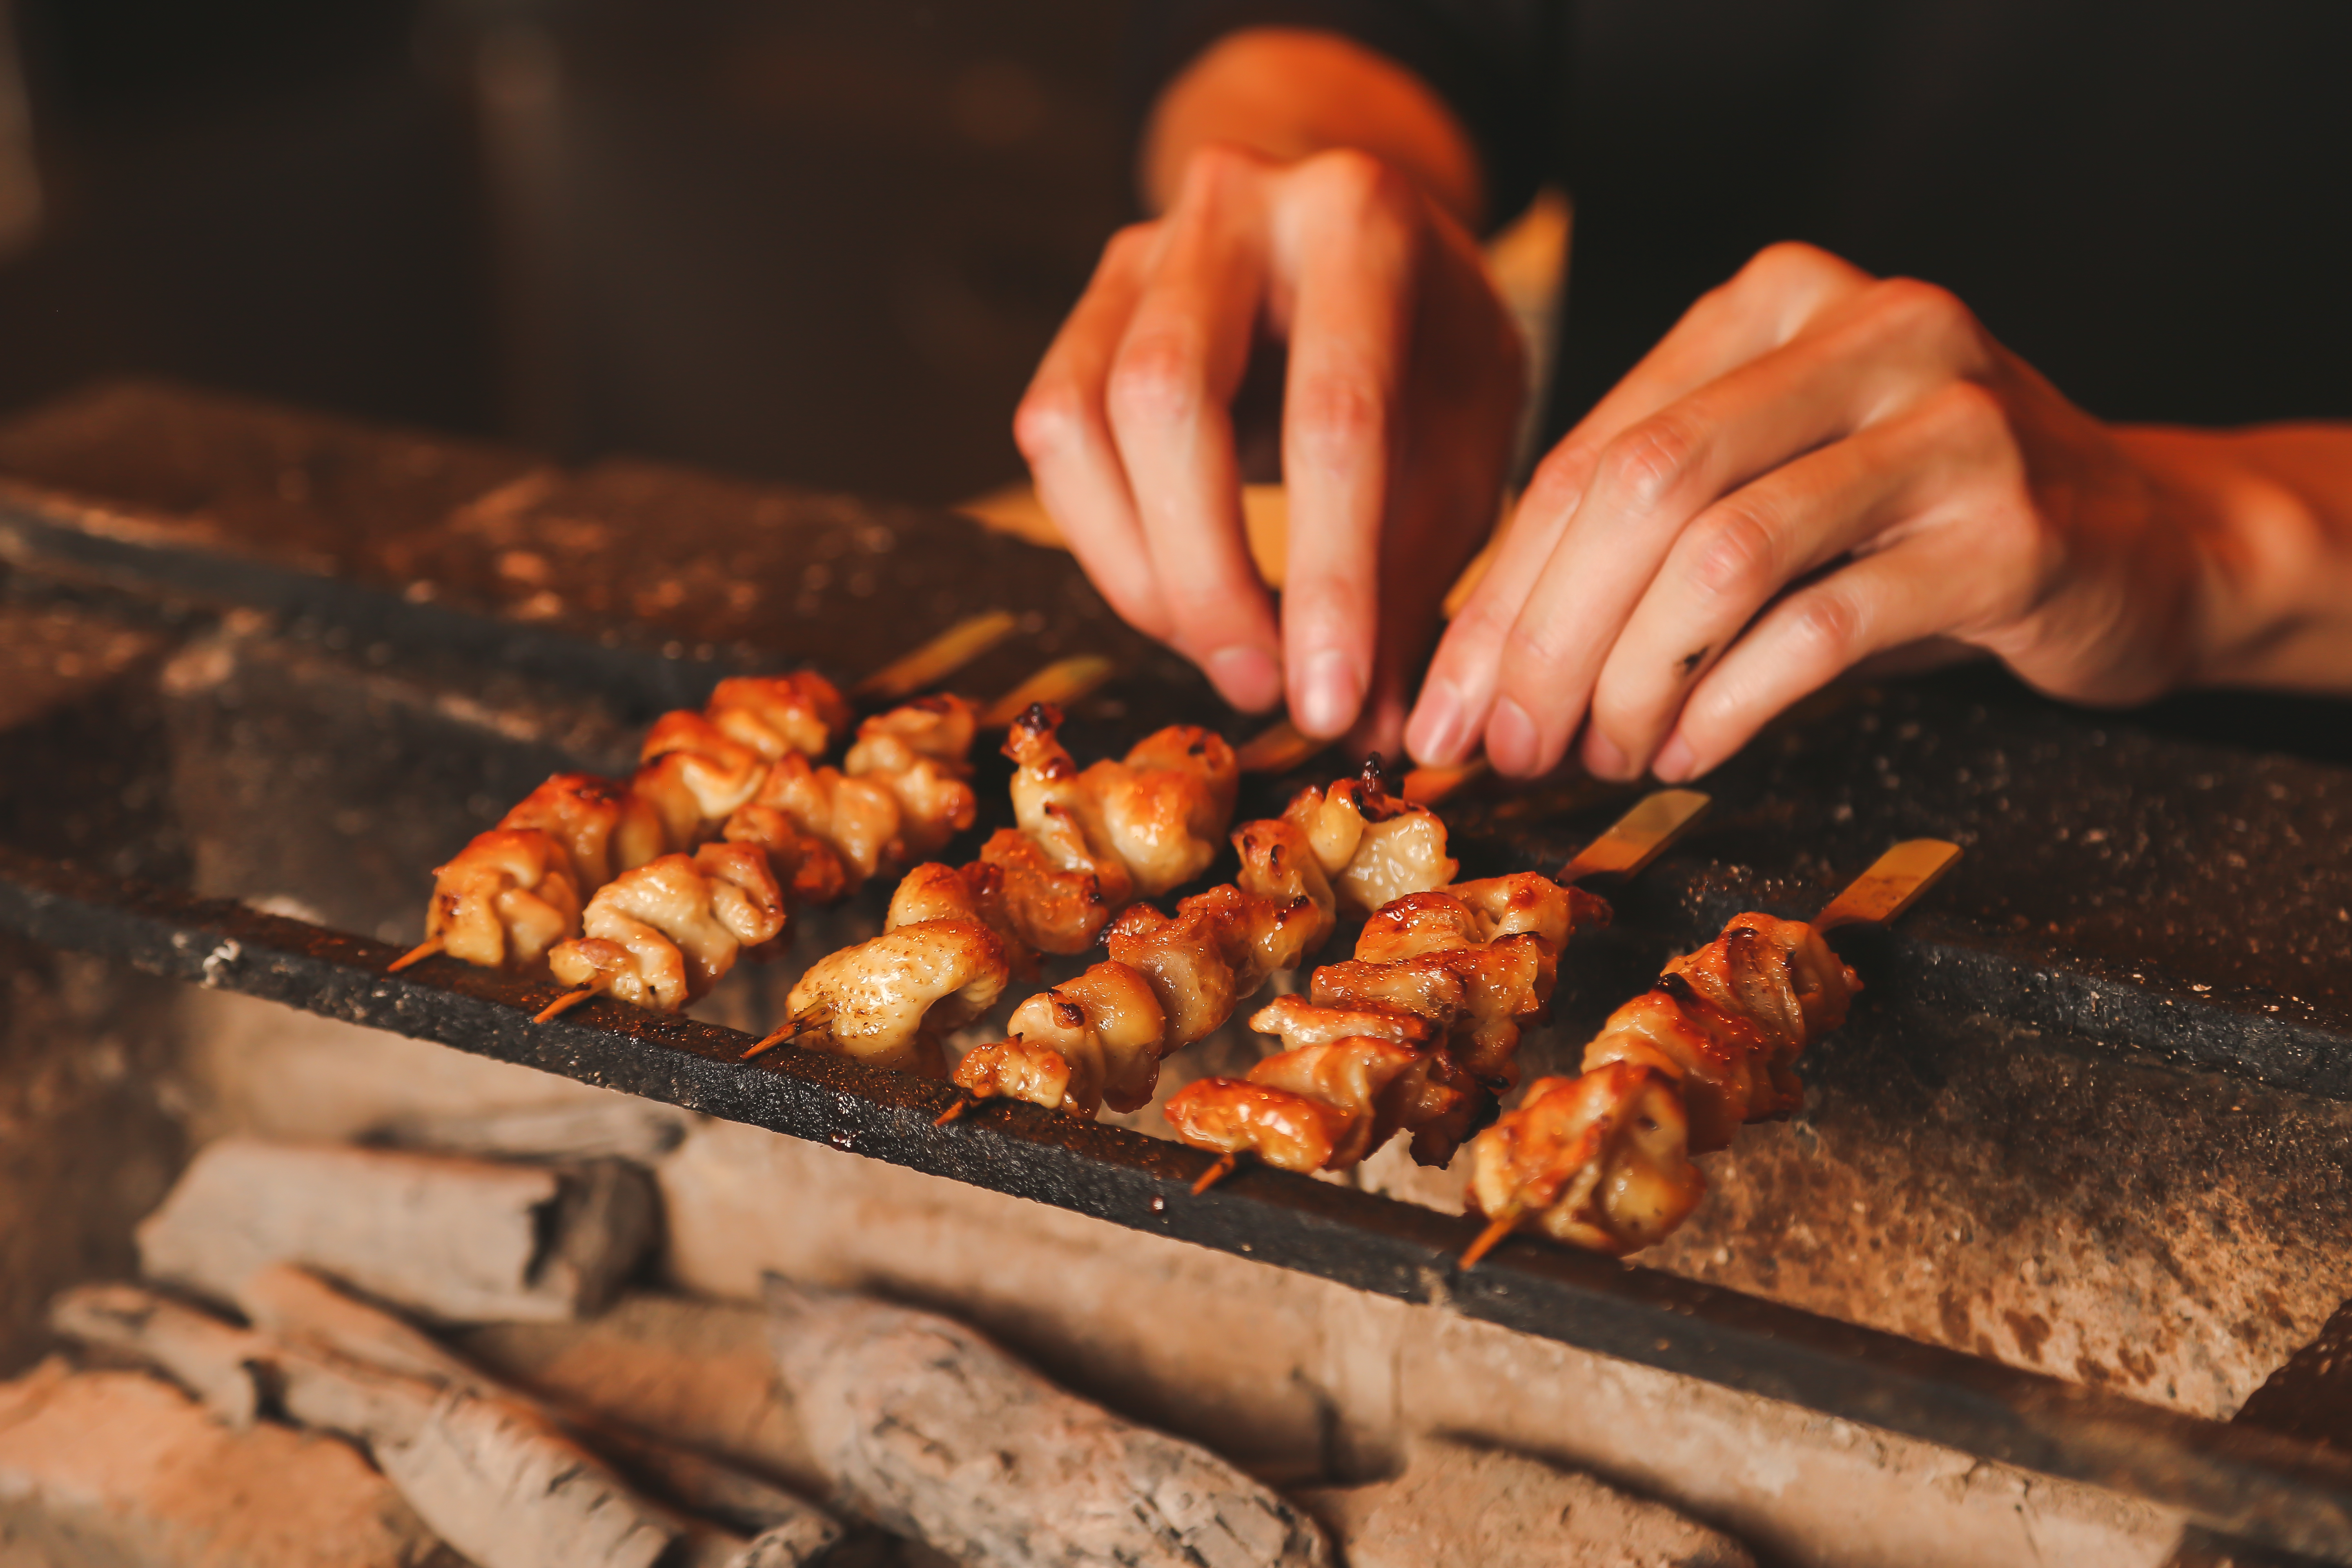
(1051, 417)
(1527, 649)
(1336, 417)
(1214, 169)
(1645, 462)
(1931, 314)
(1129, 246)
(1827, 621)
(1735, 552)
(1355, 181)
(1156, 376)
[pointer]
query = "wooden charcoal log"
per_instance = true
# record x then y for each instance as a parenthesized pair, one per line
(452, 1238)
(929, 1430)
(223, 1365)
(120, 1468)
(618, 1128)
(1458, 1506)
(299, 1307)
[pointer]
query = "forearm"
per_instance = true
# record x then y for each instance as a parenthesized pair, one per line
(2273, 506)
(1287, 93)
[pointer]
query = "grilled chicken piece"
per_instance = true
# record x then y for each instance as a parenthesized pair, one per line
(661, 935)
(1481, 997)
(694, 775)
(857, 818)
(1105, 1027)
(933, 891)
(1054, 907)
(1316, 1108)
(1143, 824)
(888, 1001)
(1435, 1099)
(1279, 863)
(1372, 846)
(1602, 1161)
(805, 867)
(604, 826)
(921, 754)
(777, 715)
(1214, 952)
(505, 900)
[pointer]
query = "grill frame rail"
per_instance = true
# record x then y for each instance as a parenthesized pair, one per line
(2238, 1481)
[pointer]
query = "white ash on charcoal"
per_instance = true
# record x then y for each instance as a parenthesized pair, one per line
(117, 1469)
(453, 1238)
(638, 1130)
(930, 1430)
(509, 1482)
(1460, 1506)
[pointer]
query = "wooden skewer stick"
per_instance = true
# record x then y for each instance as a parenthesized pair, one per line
(1277, 748)
(1501, 1226)
(938, 659)
(563, 1003)
(1061, 682)
(792, 1029)
(1639, 836)
(1215, 1173)
(963, 1102)
(1427, 786)
(417, 955)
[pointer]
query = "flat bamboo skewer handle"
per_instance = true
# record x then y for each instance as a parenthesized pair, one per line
(1639, 836)
(1893, 884)
(1061, 682)
(938, 659)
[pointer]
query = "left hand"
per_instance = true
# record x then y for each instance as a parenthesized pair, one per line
(1814, 468)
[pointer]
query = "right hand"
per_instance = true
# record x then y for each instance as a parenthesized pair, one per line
(1400, 395)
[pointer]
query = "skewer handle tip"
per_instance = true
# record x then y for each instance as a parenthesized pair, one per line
(1892, 885)
(1639, 836)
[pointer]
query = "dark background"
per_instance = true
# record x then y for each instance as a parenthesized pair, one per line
(823, 242)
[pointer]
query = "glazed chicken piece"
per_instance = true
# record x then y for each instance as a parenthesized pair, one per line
(694, 775)
(778, 715)
(805, 867)
(1214, 952)
(921, 754)
(1319, 1106)
(1602, 1161)
(604, 828)
(933, 891)
(1480, 994)
(1278, 863)
(1104, 1029)
(887, 1002)
(504, 899)
(1726, 1023)
(1373, 846)
(1141, 826)
(661, 935)
(1054, 909)
(857, 818)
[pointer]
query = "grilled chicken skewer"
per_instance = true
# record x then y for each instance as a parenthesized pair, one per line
(1602, 1160)
(1419, 1029)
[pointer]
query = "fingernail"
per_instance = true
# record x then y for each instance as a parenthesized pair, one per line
(1436, 736)
(1247, 675)
(1603, 759)
(1329, 692)
(1674, 759)
(1512, 744)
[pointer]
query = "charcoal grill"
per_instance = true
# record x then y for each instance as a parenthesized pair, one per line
(2137, 906)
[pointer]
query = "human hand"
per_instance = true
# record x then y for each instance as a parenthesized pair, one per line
(1815, 468)
(1401, 389)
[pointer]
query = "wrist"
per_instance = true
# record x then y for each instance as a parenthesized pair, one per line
(2268, 512)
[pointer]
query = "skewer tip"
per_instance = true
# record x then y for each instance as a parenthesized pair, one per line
(417, 955)
(963, 1104)
(1215, 1173)
(563, 1003)
(1501, 1226)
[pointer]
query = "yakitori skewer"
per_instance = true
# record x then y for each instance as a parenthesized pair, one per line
(1602, 1160)
(1415, 1032)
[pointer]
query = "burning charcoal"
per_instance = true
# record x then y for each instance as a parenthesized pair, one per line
(1461, 1507)
(117, 1467)
(454, 1239)
(930, 1431)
